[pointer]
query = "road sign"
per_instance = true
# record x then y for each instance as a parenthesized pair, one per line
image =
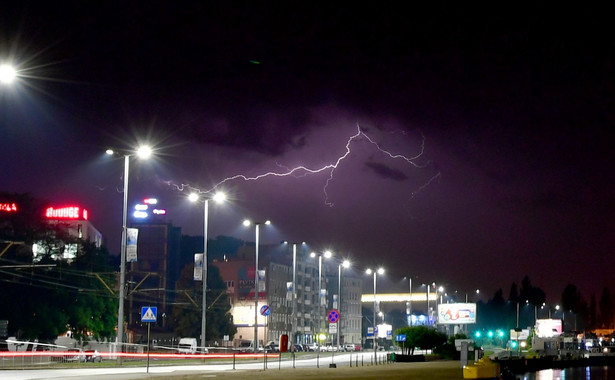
(149, 313)
(265, 310)
(370, 332)
(400, 338)
(333, 316)
(332, 328)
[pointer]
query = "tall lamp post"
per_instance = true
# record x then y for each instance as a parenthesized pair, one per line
(345, 264)
(294, 295)
(143, 152)
(410, 300)
(257, 226)
(218, 197)
(379, 271)
(326, 254)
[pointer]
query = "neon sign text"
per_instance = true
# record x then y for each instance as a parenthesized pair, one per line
(66, 213)
(8, 207)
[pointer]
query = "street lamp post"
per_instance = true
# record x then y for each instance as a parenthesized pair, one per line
(218, 197)
(345, 264)
(410, 300)
(294, 295)
(375, 272)
(327, 255)
(428, 313)
(257, 226)
(142, 152)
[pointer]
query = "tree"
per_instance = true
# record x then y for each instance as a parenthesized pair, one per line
(57, 295)
(513, 296)
(420, 337)
(187, 311)
(572, 301)
(44, 300)
(606, 309)
(534, 295)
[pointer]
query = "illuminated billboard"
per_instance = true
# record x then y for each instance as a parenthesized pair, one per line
(243, 315)
(456, 313)
(546, 328)
(71, 212)
(8, 207)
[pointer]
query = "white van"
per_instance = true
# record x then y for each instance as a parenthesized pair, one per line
(187, 346)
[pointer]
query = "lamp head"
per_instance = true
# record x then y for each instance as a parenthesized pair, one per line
(7, 74)
(144, 152)
(219, 197)
(193, 197)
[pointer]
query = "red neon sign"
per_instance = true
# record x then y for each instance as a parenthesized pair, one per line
(8, 207)
(72, 212)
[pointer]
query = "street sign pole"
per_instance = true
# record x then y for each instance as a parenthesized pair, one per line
(148, 315)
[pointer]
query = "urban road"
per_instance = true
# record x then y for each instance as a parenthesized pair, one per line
(209, 369)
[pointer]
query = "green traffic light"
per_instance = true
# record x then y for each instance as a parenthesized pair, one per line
(477, 334)
(490, 334)
(501, 334)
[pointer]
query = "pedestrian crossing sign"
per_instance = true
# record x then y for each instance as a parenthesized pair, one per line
(149, 313)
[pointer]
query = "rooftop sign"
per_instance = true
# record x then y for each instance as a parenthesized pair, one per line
(71, 212)
(8, 207)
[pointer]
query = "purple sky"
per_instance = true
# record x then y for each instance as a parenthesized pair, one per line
(512, 113)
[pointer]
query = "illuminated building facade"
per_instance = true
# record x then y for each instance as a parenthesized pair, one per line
(74, 222)
(275, 292)
(350, 306)
(151, 279)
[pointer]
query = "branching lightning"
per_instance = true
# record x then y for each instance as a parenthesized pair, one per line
(302, 171)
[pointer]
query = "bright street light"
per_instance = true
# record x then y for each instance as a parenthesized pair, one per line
(326, 254)
(344, 264)
(122, 290)
(7, 74)
(248, 223)
(294, 295)
(379, 271)
(193, 197)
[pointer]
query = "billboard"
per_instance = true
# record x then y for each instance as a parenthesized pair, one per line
(456, 313)
(546, 328)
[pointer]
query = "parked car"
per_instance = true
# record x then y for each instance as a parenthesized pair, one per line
(349, 347)
(313, 347)
(272, 347)
(298, 347)
(74, 355)
(187, 346)
(93, 356)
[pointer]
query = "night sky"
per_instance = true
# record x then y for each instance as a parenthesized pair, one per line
(505, 113)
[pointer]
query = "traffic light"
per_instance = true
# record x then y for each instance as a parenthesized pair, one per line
(513, 344)
(490, 334)
(501, 333)
(477, 334)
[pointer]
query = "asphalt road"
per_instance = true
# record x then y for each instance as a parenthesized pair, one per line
(304, 369)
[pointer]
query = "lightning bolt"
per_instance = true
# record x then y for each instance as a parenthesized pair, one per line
(302, 171)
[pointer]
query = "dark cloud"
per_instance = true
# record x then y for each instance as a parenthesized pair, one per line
(385, 171)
